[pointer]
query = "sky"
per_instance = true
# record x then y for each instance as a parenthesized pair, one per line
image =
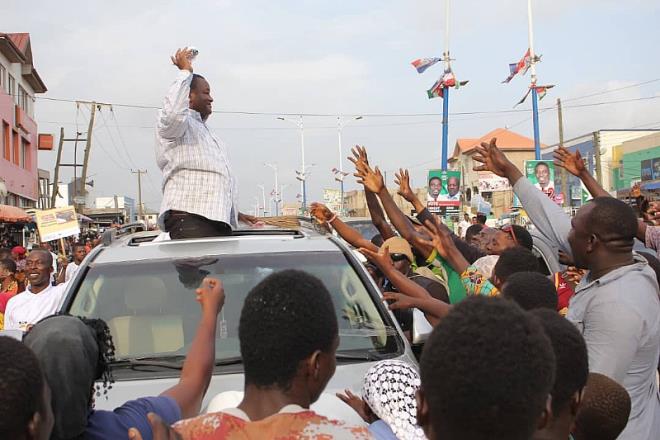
(328, 58)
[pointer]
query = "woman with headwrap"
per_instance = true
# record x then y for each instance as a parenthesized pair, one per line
(75, 352)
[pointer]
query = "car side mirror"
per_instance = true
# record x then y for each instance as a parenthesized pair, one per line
(421, 328)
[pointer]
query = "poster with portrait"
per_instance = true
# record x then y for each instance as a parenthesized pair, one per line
(57, 223)
(656, 168)
(444, 192)
(542, 174)
(647, 169)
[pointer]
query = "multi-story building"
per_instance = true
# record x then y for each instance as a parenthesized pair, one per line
(19, 82)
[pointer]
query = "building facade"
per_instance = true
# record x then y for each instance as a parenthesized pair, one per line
(19, 82)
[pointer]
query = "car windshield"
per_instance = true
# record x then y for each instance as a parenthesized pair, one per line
(151, 309)
(365, 228)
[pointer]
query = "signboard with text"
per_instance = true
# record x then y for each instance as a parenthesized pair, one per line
(444, 192)
(57, 223)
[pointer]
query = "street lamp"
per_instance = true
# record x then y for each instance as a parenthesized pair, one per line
(339, 173)
(263, 197)
(274, 168)
(302, 174)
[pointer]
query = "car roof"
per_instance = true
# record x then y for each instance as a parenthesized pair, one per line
(143, 246)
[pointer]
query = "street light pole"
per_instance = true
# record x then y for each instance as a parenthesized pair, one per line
(274, 168)
(302, 174)
(263, 196)
(340, 172)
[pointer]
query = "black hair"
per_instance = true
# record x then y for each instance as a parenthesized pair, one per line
(435, 178)
(523, 237)
(196, 77)
(516, 259)
(487, 370)
(605, 409)
(612, 219)
(481, 218)
(541, 164)
(49, 257)
(77, 245)
(8, 264)
(106, 352)
(531, 290)
(21, 387)
(285, 318)
(570, 354)
(473, 230)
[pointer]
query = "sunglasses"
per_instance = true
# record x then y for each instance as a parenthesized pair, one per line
(398, 257)
(509, 230)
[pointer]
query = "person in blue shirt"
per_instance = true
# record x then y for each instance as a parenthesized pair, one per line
(76, 352)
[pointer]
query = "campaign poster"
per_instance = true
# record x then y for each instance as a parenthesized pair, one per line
(444, 192)
(647, 169)
(656, 168)
(489, 182)
(542, 174)
(57, 223)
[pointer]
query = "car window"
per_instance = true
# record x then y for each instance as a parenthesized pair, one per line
(365, 228)
(151, 310)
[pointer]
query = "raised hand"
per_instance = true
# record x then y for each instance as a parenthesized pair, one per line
(159, 429)
(492, 159)
(402, 178)
(439, 239)
(181, 59)
(381, 258)
(359, 155)
(355, 402)
(572, 163)
(211, 295)
(371, 179)
(321, 212)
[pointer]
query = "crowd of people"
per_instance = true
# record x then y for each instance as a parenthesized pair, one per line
(514, 353)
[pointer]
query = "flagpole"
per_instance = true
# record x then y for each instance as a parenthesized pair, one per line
(535, 97)
(445, 91)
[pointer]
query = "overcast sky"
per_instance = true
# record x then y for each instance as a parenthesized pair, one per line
(330, 57)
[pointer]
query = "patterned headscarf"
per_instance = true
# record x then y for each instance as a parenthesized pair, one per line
(389, 389)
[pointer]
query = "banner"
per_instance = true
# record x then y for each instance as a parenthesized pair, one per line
(542, 174)
(332, 199)
(57, 223)
(444, 192)
(490, 182)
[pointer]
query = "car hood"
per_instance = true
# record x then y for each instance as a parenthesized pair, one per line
(347, 376)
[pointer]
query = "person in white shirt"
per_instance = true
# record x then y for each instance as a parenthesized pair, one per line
(200, 195)
(79, 254)
(464, 225)
(40, 299)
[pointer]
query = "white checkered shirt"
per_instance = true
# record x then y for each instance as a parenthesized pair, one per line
(197, 175)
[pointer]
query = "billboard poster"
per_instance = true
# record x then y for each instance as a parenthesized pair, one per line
(656, 168)
(444, 192)
(647, 170)
(542, 174)
(332, 199)
(490, 182)
(57, 223)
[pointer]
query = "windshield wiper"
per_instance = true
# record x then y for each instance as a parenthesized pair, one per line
(358, 355)
(173, 362)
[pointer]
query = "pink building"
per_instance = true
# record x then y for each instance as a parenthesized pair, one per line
(19, 81)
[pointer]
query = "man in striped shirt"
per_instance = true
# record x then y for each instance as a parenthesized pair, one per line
(200, 195)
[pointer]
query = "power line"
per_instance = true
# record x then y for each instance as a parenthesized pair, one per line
(612, 90)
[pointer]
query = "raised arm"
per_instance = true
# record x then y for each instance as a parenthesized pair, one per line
(573, 163)
(375, 210)
(548, 217)
(373, 180)
(198, 367)
(402, 178)
(173, 116)
(351, 235)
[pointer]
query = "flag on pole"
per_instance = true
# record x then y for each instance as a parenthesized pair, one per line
(448, 79)
(520, 67)
(541, 90)
(421, 64)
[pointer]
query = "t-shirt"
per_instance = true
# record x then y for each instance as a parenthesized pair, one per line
(291, 422)
(110, 425)
(27, 308)
(71, 270)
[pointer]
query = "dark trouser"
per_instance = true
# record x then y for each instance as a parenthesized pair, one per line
(185, 225)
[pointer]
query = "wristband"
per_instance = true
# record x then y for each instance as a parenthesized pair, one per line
(332, 219)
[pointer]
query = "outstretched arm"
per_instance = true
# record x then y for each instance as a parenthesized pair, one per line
(375, 210)
(198, 367)
(173, 116)
(351, 235)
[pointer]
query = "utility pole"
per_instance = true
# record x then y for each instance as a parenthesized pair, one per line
(56, 188)
(88, 144)
(116, 209)
(564, 177)
(139, 174)
(599, 173)
(535, 96)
